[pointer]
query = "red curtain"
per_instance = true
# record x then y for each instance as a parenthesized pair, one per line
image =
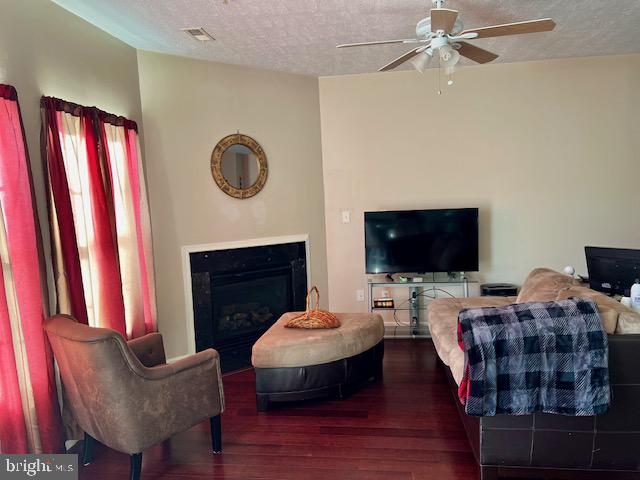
(61, 199)
(29, 411)
(101, 236)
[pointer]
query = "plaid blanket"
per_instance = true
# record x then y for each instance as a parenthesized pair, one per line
(539, 356)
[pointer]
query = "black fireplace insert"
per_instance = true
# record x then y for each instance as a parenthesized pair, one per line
(239, 293)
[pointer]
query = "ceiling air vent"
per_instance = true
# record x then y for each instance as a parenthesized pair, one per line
(198, 33)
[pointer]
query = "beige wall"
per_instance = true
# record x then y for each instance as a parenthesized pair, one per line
(188, 106)
(549, 151)
(45, 50)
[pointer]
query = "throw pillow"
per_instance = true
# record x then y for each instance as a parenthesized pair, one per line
(543, 285)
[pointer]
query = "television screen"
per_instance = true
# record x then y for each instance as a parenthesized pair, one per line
(421, 241)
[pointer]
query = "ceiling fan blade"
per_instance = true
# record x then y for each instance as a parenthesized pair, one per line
(443, 19)
(476, 54)
(531, 26)
(466, 36)
(380, 42)
(400, 60)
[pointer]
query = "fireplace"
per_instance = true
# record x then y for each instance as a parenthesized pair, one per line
(238, 293)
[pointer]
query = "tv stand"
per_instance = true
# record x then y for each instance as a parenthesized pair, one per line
(429, 282)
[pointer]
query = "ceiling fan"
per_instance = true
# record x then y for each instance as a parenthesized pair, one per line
(443, 35)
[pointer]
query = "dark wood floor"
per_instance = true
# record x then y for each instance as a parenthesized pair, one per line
(404, 427)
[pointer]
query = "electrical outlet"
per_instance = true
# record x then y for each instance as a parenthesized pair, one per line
(360, 295)
(346, 216)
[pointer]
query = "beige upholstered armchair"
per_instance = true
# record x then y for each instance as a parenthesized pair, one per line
(124, 394)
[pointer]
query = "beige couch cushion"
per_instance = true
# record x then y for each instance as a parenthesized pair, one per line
(443, 325)
(292, 347)
(607, 306)
(628, 323)
(616, 318)
(543, 285)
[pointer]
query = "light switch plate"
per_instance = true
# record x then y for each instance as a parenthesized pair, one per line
(360, 295)
(346, 216)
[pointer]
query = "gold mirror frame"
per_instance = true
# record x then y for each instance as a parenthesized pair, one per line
(216, 165)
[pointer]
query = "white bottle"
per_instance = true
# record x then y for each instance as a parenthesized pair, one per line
(635, 296)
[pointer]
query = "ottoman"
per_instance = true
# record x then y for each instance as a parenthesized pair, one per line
(293, 364)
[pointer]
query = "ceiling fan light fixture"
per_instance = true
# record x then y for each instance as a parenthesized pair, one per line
(445, 53)
(421, 61)
(449, 58)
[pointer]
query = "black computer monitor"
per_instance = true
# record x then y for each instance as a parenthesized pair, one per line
(612, 270)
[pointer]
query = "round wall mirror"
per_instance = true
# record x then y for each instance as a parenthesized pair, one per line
(239, 166)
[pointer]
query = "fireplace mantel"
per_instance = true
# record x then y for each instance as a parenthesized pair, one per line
(187, 250)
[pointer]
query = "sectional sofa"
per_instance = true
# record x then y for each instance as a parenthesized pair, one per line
(541, 444)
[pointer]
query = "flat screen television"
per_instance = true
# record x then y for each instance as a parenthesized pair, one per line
(420, 241)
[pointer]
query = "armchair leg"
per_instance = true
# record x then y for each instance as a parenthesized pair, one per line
(87, 449)
(136, 466)
(216, 434)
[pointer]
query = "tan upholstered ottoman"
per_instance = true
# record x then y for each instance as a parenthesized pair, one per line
(294, 364)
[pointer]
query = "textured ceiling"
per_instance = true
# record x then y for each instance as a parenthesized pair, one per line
(300, 35)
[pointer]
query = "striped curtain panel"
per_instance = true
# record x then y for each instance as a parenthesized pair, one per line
(29, 411)
(100, 228)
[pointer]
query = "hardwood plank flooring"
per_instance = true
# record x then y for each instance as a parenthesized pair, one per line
(403, 427)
